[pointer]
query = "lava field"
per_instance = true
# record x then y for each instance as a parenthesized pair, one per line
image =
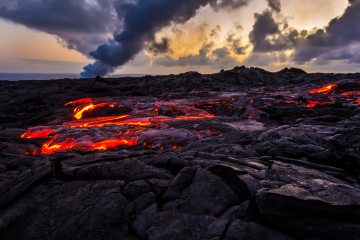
(239, 154)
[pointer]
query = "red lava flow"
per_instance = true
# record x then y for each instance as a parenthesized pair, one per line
(324, 99)
(92, 131)
(324, 90)
(129, 136)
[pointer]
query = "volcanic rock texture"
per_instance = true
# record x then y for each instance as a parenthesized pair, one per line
(241, 154)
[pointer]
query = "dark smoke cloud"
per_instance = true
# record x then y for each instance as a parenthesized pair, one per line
(340, 40)
(141, 22)
(80, 24)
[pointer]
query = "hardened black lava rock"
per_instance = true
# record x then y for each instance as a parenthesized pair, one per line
(275, 162)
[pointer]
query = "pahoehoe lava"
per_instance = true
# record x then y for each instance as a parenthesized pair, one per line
(239, 154)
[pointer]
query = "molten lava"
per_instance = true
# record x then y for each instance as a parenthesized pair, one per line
(79, 111)
(100, 122)
(68, 134)
(313, 103)
(324, 90)
(43, 133)
(80, 101)
(113, 143)
(51, 147)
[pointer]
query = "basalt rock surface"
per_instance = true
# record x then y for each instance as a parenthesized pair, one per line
(241, 154)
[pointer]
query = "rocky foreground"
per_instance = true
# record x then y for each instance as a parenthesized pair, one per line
(241, 154)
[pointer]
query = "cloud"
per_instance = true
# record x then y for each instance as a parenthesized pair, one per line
(116, 29)
(336, 41)
(80, 24)
(113, 32)
(266, 59)
(142, 20)
(207, 56)
(275, 5)
(228, 4)
(159, 47)
(268, 35)
(236, 45)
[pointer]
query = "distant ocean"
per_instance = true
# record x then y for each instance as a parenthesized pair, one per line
(49, 76)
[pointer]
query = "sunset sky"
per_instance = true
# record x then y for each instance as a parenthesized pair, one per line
(41, 36)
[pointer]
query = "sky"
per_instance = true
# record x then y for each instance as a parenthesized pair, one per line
(102, 37)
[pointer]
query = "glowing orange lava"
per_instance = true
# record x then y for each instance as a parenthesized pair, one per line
(31, 133)
(54, 145)
(98, 122)
(79, 111)
(51, 147)
(69, 134)
(80, 101)
(324, 90)
(312, 103)
(113, 143)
